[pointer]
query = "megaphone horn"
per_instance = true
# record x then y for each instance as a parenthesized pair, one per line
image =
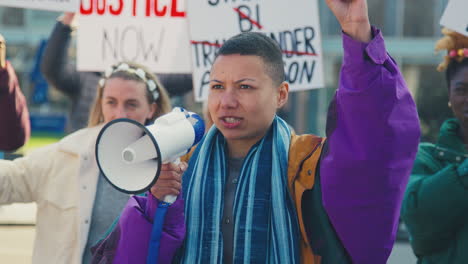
(129, 154)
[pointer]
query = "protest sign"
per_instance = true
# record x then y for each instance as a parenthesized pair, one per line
(149, 32)
(294, 24)
(52, 5)
(455, 16)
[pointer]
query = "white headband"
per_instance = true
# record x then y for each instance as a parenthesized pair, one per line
(150, 84)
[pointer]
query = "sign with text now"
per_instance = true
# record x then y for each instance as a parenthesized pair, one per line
(153, 33)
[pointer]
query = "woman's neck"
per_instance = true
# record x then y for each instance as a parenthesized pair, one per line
(239, 148)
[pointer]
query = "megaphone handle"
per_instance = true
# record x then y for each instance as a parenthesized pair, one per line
(171, 198)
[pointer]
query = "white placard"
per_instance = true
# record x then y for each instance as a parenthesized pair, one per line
(52, 5)
(455, 16)
(294, 24)
(150, 32)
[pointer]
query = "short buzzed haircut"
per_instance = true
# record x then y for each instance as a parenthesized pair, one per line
(257, 44)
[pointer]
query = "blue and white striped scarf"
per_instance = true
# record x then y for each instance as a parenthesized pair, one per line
(265, 222)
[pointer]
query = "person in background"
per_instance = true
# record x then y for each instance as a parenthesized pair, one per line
(75, 204)
(206, 116)
(15, 127)
(256, 193)
(80, 87)
(435, 207)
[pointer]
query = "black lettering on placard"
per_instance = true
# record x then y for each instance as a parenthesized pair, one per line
(208, 55)
(128, 33)
(292, 71)
(130, 44)
(297, 73)
(150, 48)
(295, 42)
(309, 35)
(216, 2)
(108, 43)
(205, 52)
(213, 2)
(288, 43)
(247, 20)
(205, 81)
(196, 52)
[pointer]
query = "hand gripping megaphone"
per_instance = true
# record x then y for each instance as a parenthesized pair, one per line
(129, 154)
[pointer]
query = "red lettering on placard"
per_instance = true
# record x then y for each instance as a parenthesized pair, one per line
(117, 11)
(174, 12)
(152, 8)
(157, 12)
(134, 7)
(85, 11)
(101, 7)
(148, 7)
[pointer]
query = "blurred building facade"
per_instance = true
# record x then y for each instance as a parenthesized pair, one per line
(410, 32)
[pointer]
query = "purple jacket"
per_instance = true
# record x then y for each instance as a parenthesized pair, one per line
(14, 115)
(373, 133)
(129, 240)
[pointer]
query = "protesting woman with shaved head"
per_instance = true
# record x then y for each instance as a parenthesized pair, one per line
(257, 193)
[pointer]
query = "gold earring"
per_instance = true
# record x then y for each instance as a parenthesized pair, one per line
(449, 104)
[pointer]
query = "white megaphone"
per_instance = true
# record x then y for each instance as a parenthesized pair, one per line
(129, 154)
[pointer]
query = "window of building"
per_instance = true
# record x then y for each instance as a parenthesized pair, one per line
(12, 17)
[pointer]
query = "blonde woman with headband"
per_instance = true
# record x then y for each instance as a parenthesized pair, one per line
(75, 205)
(435, 207)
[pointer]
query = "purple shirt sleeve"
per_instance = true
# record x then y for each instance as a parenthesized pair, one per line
(129, 240)
(14, 115)
(373, 133)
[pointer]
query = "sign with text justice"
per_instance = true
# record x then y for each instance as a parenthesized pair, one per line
(53, 5)
(455, 16)
(294, 24)
(150, 32)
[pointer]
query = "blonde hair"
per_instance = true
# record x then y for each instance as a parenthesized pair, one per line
(207, 116)
(163, 103)
(451, 41)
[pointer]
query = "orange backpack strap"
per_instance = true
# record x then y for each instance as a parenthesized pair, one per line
(304, 155)
(186, 157)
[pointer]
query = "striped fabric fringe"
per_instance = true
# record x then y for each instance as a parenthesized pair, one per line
(265, 222)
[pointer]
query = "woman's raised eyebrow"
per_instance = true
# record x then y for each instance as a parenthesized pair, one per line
(245, 79)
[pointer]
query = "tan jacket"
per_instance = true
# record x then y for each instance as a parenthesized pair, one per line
(61, 178)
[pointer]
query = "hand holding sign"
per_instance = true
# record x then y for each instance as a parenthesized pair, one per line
(67, 18)
(353, 18)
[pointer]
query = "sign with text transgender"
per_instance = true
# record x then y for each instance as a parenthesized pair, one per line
(455, 16)
(293, 24)
(52, 5)
(153, 33)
